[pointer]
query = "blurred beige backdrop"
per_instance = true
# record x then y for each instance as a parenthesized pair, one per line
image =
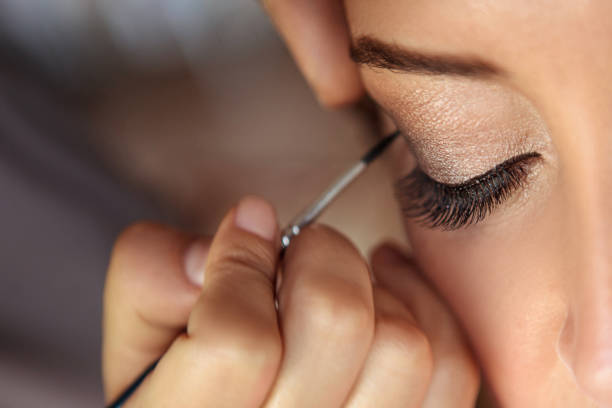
(116, 111)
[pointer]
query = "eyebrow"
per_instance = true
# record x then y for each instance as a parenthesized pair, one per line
(378, 54)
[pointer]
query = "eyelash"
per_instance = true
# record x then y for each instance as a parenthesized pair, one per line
(453, 206)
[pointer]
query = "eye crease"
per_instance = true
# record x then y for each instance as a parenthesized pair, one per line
(453, 206)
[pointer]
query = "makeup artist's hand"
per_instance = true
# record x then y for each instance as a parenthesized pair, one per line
(317, 35)
(335, 341)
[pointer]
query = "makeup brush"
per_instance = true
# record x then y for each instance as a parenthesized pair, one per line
(312, 212)
(306, 217)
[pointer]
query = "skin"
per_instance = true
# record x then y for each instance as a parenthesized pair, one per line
(531, 285)
(207, 309)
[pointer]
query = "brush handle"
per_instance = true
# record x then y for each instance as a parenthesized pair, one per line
(132, 388)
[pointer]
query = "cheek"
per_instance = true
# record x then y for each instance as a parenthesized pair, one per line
(504, 286)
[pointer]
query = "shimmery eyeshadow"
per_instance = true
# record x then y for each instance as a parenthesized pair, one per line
(459, 128)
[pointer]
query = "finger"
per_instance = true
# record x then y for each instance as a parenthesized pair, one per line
(317, 35)
(327, 319)
(398, 369)
(230, 354)
(147, 300)
(456, 378)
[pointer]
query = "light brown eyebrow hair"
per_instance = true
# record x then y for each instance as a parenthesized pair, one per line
(378, 54)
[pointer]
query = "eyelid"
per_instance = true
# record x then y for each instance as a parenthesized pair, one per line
(481, 178)
(452, 206)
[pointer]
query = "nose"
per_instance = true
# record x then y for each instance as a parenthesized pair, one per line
(586, 339)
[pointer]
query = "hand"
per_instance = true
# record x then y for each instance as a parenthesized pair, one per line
(318, 37)
(335, 341)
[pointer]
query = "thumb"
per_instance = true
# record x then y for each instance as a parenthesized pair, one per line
(241, 262)
(230, 353)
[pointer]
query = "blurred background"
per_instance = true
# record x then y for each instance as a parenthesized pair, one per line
(115, 111)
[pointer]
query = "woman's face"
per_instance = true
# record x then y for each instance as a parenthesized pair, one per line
(507, 110)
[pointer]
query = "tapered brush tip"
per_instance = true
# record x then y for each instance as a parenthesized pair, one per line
(377, 150)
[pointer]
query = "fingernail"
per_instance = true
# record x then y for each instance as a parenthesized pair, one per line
(256, 216)
(195, 261)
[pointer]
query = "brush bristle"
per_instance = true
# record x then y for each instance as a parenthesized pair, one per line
(380, 147)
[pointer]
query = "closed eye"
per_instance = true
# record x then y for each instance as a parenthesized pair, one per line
(452, 206)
